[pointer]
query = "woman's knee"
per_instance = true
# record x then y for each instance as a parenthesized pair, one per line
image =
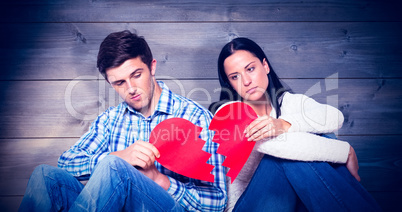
(269, 165)
(269, 160)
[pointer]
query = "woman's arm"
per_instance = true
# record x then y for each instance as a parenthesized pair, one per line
(307, 115)
(273, 138)
(305, 147)
(299, 113)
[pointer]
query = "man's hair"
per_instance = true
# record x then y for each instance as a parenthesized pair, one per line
(121, 46)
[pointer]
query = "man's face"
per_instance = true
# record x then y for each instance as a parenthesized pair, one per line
(135, 83)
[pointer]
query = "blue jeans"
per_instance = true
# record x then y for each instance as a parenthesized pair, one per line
(114, 185)
(285, 185)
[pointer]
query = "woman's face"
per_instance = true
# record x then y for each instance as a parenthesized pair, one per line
(247, 75)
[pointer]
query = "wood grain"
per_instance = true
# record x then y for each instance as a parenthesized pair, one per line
(295, 49)
(344, 53)
(196, 11)
(66, 108)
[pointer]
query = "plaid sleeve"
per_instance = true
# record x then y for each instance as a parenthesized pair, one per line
(82, 157)
(199, 195)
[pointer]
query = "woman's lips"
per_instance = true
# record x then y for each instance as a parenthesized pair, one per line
(252, 90)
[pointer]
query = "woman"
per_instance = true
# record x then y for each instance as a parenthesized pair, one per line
(282, 182)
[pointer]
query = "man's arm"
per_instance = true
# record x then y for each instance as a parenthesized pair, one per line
(81, 158)
(142, 155)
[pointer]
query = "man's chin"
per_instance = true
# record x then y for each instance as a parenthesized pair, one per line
(135, 105)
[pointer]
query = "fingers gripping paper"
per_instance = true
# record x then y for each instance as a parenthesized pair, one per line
(229, 124)
(180, 148)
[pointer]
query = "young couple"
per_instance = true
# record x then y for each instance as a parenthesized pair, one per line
(123, 174)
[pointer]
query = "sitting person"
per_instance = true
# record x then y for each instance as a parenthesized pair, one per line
(115, 153)
(280, 174)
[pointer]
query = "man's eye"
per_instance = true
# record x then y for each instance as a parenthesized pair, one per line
(119, 83)
(137, 75)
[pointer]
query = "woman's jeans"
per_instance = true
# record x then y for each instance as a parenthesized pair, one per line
(285, 185)
(115, 185)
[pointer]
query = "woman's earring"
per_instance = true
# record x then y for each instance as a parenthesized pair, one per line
(266, 66)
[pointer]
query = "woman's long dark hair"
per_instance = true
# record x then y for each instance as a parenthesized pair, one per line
(275, 88)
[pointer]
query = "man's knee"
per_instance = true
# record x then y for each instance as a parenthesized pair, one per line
(115, 168)
(42, 174)
(111, 162)
(111, 159)
(43, 170)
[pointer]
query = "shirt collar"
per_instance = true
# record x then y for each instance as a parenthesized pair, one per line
(166, 102)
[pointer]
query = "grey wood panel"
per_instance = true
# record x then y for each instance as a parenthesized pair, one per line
(10, 203)
(19, 158)
(66, 108)
(389, 201)
(345, 53)
(190, 50)
(379, 160)
(211, 10)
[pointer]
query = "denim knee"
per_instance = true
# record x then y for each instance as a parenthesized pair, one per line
(269, 160)
(110, 162)
(42, 170)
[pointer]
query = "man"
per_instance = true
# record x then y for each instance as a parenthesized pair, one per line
(115, 153)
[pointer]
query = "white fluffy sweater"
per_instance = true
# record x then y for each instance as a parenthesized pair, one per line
(306, 116)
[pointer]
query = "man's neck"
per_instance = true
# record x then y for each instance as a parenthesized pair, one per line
(146, 112)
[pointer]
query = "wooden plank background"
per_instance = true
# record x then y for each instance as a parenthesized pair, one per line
(341, 52)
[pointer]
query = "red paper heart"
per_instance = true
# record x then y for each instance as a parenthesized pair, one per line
(229, 124)
(180, 148)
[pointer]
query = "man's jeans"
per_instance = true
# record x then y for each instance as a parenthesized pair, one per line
(285, 185)
(115, 185)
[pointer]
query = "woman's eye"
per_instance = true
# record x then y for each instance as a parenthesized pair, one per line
(251, 69)
(234, 77)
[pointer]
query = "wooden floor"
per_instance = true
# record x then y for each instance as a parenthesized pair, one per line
(344, 53)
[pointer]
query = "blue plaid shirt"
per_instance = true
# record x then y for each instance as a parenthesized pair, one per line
(119, 127)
